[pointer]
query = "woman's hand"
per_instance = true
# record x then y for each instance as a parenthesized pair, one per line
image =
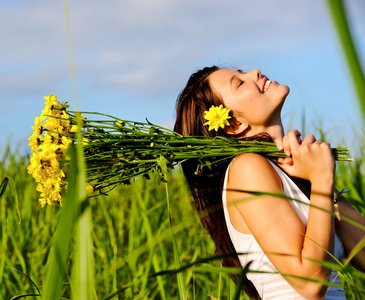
(310, 159)
(285, 146)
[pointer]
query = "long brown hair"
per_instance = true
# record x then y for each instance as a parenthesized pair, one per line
(196, 98)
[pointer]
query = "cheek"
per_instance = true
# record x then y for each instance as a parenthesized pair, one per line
(252, 96)
(247, 105)
(259, 112)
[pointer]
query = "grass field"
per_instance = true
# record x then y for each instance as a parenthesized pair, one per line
(132, 239)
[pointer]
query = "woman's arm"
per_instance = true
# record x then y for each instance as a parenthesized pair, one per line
(350, 235)
(274, 223)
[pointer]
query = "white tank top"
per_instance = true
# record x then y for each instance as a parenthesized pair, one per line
(274, 286)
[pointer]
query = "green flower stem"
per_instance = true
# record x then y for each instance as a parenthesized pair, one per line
(116, 151)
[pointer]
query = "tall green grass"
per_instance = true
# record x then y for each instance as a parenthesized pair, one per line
(140, 235)
(133, 239)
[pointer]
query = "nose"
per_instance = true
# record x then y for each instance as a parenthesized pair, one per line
(256, 74)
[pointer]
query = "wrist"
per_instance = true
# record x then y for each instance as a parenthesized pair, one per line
(323, 187)
(325, 181)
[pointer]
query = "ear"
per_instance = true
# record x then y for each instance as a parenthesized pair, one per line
(236, 128)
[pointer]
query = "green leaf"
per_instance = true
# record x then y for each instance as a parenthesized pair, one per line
(162, 162)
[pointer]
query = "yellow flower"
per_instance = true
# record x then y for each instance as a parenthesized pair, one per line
(217, 116)
(52, 124)
(35, 141)
(73, 128)
(62, 105)
(85, 141)
(49, 146)
(120, 123)
(89, 190)
(37, 126)
(51, 101)
(35, 165)
(65, 143)
(65, 119)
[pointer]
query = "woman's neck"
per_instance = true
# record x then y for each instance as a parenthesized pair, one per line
(274, 130)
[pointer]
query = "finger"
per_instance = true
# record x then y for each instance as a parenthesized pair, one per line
(285, 161)
(309, 139)
(327, 146)
(279, 143)
(296, 133)
(286, 167)
(286, 146)
(288, 160)
(292, 140)
(286, 140)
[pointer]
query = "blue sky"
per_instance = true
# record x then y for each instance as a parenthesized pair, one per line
(132, 57)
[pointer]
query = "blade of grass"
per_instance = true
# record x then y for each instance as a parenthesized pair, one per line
(4, 236)
(113, 242)
(83, 260)
(61, 244)
(3, 186)
(32, 282)
(4, 183)
(219, 285)
(338, 13)
(176, 252)
(241, 281)
(143, 199)
(83, 267)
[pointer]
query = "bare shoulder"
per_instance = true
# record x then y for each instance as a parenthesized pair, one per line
(250, 161)
(251, 170)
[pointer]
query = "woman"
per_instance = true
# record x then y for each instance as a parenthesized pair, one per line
(282, 238)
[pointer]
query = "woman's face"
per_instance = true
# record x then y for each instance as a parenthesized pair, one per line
(251, 96)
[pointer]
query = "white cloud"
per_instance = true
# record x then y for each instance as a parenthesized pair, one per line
(118, 42)
(158, 40)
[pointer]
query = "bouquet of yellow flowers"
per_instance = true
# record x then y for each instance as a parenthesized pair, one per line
(117, 150)
(49, 142)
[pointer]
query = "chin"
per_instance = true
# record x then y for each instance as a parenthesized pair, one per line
(280, 94)
(285, 88)
(284, 91)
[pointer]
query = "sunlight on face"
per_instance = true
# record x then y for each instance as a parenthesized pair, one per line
(252, 97)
